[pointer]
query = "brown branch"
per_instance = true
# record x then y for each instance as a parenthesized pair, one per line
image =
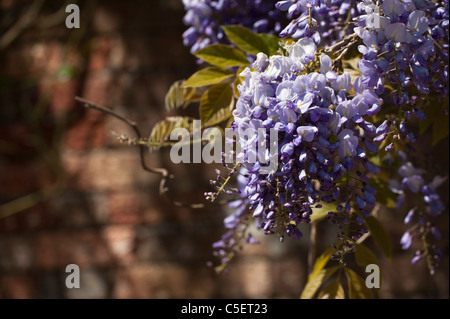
(348, 40)
(23, 23)
(163, 189)
(55, 18)
(161, 171)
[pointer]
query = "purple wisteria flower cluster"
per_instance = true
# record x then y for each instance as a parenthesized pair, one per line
(205, 18)
(324, 143)
(405, 47)
(423, 205)
(325, 21)
(329, 124)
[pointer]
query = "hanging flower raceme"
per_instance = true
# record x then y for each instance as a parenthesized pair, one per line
(423, 205)
(406, 47)
(323, 143)
(325, 21)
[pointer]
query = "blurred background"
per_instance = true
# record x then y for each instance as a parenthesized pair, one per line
(71, 193)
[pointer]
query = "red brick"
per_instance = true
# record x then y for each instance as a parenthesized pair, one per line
(119, 55)
(401, 279)
(289, 275)
(53, 57)
(38, 216)
(127, 207)
(120, 241)
(87, 133)
(38, 53)
(75, 209)
(17, 141)
(97, 87)
(21, 178)
(166, 242)
(152, 216)
(99, 54)
(107, 169)
(85, 248)
(8, 223)
(105, 20)
(93, 285)
(16, 253)
(162, 280)
(248, 278)
(150, 247)
(17, 286)
(62, 99)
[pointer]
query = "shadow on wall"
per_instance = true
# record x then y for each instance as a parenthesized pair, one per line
(70, 193)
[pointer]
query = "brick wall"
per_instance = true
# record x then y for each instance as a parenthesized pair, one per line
(91, 203)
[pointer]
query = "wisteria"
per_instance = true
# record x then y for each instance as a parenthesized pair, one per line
(423, 204)
(334, 124)
(323, 154)
(205, 18)
(406, 47)
(324, 21)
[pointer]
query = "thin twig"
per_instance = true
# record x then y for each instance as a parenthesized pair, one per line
(351, 38)
(55, 18)
(26, 202)
(27, 19)
(161, 171)
(164, 173)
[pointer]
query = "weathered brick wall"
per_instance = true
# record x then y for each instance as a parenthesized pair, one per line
(101, 210)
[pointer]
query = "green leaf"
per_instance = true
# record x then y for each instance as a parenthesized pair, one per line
(316, 281)
(320, 213)
(214, 99)
(174, 97)
(322, 261)
(272, 42)
(220, 116)
(333, 291)
(357, 288)
(208, 76)
(379, 235)
(364, 256)
(179, 96)
(245, 39)
(160, 134)
(385, 196)
(222, 55)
